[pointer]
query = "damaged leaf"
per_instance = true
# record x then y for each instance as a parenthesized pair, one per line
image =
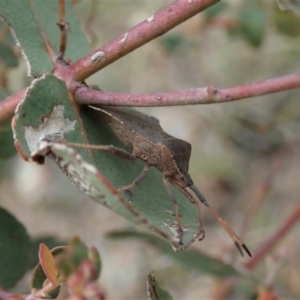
(48, 114)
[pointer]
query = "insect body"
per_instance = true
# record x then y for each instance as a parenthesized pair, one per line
(146, 139)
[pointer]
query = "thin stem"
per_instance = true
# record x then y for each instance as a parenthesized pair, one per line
(154, 26)
(64, 27)
(206, 95)
(61, 11)
(266, 247)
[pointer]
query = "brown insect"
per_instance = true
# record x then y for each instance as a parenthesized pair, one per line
(146, 139)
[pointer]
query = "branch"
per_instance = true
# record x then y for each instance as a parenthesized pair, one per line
(156, 25)
(207, 95)
(8, 106)
(274, 239)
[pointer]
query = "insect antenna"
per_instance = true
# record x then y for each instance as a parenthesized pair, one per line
(236, 239)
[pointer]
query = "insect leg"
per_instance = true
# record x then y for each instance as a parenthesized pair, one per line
(110, 148)
(136, 181)
(201, 235)
(236, 239)
(118, 152)
(174, 201)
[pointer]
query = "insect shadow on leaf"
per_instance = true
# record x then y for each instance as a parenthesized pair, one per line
(146, 139)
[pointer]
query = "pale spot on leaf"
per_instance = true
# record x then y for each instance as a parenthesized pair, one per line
(52, 128)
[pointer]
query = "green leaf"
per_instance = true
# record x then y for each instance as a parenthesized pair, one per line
(47, 12)
(20, 17)
(253, 23)
(215, 9)
(190, 259)
(173, 42)
(6, 35)
(250, 22)
(47, 111)
(76, 255)
(154, 291)
(97, 261)
(14, 250)
(2, 166)
(80, 252)
(7, 147)
(33, 25)
(7, 56)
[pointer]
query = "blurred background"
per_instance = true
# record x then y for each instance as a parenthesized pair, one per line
(245, 154)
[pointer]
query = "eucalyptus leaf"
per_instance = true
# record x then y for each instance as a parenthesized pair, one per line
(20, 17)
(14, 250)
(47, 12)
(80, 252)
(251, 20)
(2, 167)
(50, 241)
(95, 256)
(172, 42)
(7, 147)
(214, 10)
(39, 277)
(48, 113)
(33, 25)
(7, 56)
(253, 23)
(6, 35)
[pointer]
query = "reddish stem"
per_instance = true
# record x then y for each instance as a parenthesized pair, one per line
(207, 95)
(156, 25)
(8, 106)
(274, 239)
